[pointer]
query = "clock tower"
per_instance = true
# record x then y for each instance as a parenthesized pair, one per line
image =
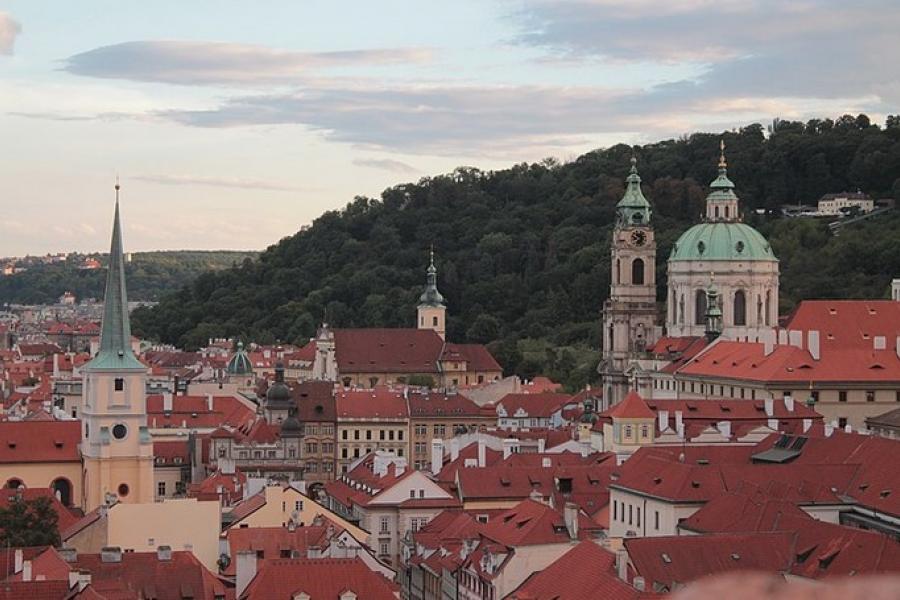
(116, 447)
(629, 314)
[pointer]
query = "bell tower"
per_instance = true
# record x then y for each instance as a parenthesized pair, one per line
(116, 447)
(432, 313)
(629, 314)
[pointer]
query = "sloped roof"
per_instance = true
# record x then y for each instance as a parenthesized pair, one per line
(541, 405)
(387, 350)
(585, 571)
(671, 560)
(39, 441)
(632, 407)
(379, 402)
(477, 356)
(319, 578)
(531, 523)
(442, 404)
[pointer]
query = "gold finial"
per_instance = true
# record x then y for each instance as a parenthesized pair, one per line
(722, 163)
(431, 254)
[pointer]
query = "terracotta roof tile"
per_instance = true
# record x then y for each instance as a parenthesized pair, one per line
(319, 578)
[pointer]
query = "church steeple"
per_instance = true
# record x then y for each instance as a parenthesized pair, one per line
(633, 209)
(115, 333)
(432, 312)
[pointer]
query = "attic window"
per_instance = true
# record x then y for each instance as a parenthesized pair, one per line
(504, 482)
(657, 480)
(832, 311)
(826, 559)
(885, 493)
(666, 558)
(695, 484)
(735, 556)
(863, 486)
(58, 443)
(804, 554)
(11, 443)
(725, 408)
(703, 461)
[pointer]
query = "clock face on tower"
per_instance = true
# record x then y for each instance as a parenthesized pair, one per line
(638, 237)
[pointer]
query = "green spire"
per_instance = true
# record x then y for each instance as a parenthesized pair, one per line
(633, 208)
(722, 182)
(115, 333)
(431, 296)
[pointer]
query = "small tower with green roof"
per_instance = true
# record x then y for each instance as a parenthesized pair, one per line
(116, 447)
(432, 312)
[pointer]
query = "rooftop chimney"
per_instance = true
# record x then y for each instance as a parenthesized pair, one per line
(829, 429)
(812, 344)
(454, 448)
(209, 402)
(245, 571)
(570, 515)
(879, 342)
(724, 428)
(807, 423)
(770, 406)
(111, 554)
(167, 402)
(773, 424)
(542, 445)
(19, 559)
(679, 424)
(482, 453)
(768, 342)
(848, 428)
(782, 337)
(437, 455)
(795, 338)
(789, 402)
(622, 565)
(26, 570)
(68, 554)
(663, 417)
(508, 445)
(640, 584)
(164, 553)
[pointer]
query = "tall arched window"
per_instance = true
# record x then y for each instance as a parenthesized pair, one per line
(740, 308)
(62, 487)
(726, 212)
(611, 329)
(717, 213)
(768, 306)
(681, 310)
(618, 271)
(637, 272)
(700, 307)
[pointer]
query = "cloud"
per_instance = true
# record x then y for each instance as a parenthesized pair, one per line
(220, 63)
(224, 182)
(9, 30)
(386, 164)
(763, 48)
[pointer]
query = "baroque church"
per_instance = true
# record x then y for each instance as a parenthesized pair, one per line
(722, 280)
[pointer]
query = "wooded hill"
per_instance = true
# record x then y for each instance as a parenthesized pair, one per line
(523, 253)
(150, 275)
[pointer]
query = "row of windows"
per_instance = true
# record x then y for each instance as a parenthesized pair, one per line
(637, 271)
(357, 452)
(738, 304)
(382, 434)
(634, 514)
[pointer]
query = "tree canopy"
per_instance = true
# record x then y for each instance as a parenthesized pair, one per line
(523, 253)
(28, 522)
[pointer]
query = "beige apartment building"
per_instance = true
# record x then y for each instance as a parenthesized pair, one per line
(370, 420)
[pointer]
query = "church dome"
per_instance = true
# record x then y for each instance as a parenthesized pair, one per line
(240, 363)
(722, 241)
(278, 392)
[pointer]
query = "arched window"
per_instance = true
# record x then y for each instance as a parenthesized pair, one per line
(637, 271)
(14, 484)
(62, 487)
(434, 321)
(726, 212)
(740, 308)
(717, 212)
(700, 307)
(611, 329)
(681, 310)
(759, 311)
(618, 271)
(768, 306)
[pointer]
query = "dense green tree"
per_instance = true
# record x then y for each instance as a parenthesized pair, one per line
(28, 522)
(523, 253)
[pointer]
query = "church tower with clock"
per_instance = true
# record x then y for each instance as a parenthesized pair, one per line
(630, 312)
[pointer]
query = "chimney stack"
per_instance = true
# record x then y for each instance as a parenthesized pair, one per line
(164, 553)
(542, 445)
(782, 337)
(622, 565)
(812, 344)
(795, 338)
(167, 402)
(829, 429)
(789, 402)
(770, 406)
(209, 402)
(18, 560)
(437, 455)
(245, 571)
(640, 584)
(725, 429)
(807, 423)
(111, 554)
(679, 424)
(570, 515)
(508, 445)
(663, 417)
(454, 448)
(482, 453)
(26, 570)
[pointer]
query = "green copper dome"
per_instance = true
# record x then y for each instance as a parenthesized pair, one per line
(431, 296)
(240, 363)
(722, 241)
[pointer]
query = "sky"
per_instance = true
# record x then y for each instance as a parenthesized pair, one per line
(232, 124)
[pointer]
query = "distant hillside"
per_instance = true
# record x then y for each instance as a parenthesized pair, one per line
(150, 275)
(523, 253)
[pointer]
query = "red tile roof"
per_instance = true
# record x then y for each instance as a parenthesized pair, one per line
(272, 542)
(193, 412)
(65, 517)
(847, 323)
(748, 361)
(670, 560)
(319, 578)
(387, 350)
(377, 403)
(231, 487)
(441, 404)
(39, 441)
(476, 356)
(532, 523)
(541, 405)
(585, 571)
(315, 401)
(171, 453)
(632, 407)
(34, 590)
